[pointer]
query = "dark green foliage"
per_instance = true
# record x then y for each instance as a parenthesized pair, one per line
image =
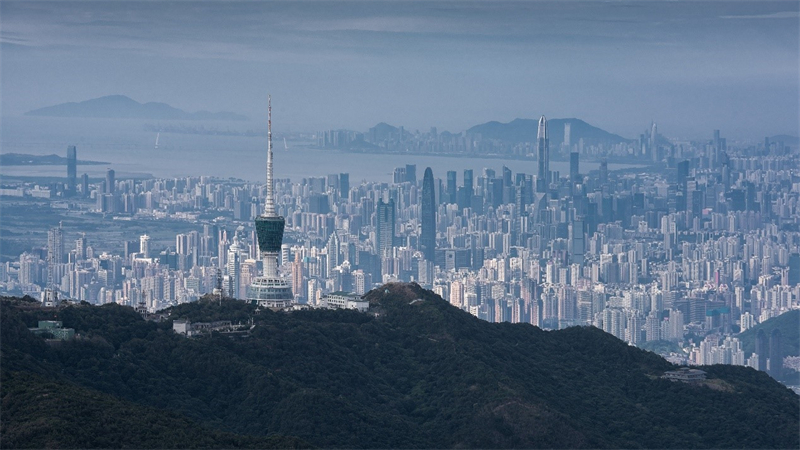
(421, 375)
(788, 323)
(40, 412)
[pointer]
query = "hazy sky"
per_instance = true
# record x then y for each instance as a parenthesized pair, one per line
(690, 66)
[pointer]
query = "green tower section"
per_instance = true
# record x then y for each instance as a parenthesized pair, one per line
(270, 233)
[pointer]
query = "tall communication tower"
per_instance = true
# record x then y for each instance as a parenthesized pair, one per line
(270, 290)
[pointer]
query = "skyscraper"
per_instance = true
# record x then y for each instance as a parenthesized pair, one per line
(464, 196)
(234, 268)
(72, 170)
(603, 172)
(144, 245)
(451, 186)
(110, 183)
(574, 173)
(653, 143)
(85, 185)
(344, 185)
(543, 175)
(55, 253)
(468, 184)
(411, 173)
(428, 237)
(384, 233)
(270, 290)
(298, 284)
(334, 251)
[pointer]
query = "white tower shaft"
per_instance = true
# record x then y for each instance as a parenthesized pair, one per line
(269, 204)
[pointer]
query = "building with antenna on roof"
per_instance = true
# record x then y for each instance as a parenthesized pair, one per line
(270, 290)
(543, 147)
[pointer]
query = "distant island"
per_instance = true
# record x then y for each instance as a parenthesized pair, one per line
(122, 107)
(22, 159)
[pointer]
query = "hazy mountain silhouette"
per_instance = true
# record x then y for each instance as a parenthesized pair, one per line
(122, 107)
(524, 130)
(787, 139)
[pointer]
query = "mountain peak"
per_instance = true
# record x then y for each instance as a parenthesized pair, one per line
(119, 106)
(524, 130)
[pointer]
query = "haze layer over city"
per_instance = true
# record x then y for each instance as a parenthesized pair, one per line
(625, 166)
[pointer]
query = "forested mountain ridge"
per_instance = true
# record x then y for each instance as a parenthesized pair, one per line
(415, 372)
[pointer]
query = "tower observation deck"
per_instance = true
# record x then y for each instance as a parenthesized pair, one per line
(270, 290)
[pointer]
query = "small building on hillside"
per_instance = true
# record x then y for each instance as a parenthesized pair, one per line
(685, 374)
(344, 300)
(186, 327)
(54, 328)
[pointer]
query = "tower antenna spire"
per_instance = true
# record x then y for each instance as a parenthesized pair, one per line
(270, 290)
(269, 204)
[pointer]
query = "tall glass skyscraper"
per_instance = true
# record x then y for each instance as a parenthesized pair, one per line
(428, 237)
(384, 234)
(543, 175)
(451, 186)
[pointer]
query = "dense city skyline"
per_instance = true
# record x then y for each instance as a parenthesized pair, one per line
(701, 244)
(569, 224)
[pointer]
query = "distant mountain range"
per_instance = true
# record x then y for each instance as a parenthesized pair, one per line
(524, 130)
(516, 131)
(122, 107)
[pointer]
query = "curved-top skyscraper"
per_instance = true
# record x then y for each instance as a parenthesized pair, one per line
(270, 290)
(428, 213)
(543, 175)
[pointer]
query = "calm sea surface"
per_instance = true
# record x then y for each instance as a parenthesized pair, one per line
(130, 149)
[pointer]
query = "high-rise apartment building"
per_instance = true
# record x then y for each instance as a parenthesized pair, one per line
(428, 211)
(144, 245)
(298, 283)
(234, 268)
(384, 232)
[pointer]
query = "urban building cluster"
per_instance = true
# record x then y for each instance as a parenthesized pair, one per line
(700, 247)
(512, 143)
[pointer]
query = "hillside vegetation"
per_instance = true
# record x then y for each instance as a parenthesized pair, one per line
(788, 323)
(412, 374)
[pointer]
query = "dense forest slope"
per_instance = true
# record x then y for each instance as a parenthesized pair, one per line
(414, 373)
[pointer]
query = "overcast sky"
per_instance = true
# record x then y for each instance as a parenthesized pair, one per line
(690, 66)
